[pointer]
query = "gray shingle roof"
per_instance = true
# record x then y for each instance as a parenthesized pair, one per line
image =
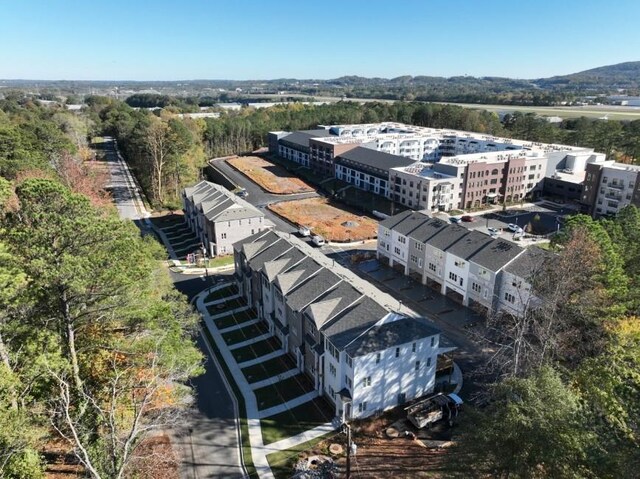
(287, 260)
(311, 289)
(219, 204)
(296, 274)
(447, 236)
(273, 251)
(411, 223)
(389, 335)
(496, 254)
(469, 245)
(392, 221)
(354, 321)
(331, 303)
(374, 158)
(529, 263)
(428, 229)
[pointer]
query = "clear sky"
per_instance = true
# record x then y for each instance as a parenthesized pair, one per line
(264, 39)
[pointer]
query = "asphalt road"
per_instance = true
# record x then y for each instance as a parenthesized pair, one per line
(207, 442)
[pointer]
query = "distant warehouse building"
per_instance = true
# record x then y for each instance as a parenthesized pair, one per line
(219, 218)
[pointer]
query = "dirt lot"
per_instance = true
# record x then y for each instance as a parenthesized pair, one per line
(327, 219)
(270, 177)
(378, 456)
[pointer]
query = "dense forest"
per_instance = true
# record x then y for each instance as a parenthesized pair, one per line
(95, 343)
(167, 152)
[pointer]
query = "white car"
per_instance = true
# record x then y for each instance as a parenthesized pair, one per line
(304, 231)
(493, 231)
(513, 227)
(317, 240)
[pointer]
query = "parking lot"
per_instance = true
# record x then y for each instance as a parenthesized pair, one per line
(538, 220)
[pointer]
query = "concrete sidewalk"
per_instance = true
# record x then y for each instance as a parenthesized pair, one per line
(259, 451)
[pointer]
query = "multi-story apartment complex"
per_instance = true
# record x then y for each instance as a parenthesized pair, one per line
(351, 339)
(610, 186)
(450, 170)
(219, 218)
(465, 265)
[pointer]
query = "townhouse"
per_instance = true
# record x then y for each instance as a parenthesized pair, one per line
(219, 218)
(352, 340)
(464, 265)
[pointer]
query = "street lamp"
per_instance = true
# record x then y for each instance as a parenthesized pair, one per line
(347, 400)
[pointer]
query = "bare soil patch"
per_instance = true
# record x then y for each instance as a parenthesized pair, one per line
(332, 222)
(270, 177)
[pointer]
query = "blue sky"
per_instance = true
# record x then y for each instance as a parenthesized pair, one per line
(263, 39)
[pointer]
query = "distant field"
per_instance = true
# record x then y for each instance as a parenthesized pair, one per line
(611, 112)
(327, 220)
(270, 177)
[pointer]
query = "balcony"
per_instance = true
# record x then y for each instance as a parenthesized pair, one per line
(617, 186)
(613, 197)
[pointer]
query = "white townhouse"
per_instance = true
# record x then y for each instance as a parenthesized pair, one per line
(344, 334)
(219, 218)
(468, 266)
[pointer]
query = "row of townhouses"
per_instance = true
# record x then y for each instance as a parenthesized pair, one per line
(489, 275)
(219, 218)
(439, 170)
(351, 339)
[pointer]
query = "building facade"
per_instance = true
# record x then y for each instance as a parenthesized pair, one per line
(219, 218)
(609, 187)
(343, 332)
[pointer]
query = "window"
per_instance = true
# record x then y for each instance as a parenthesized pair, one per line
(420, 262)
(396, 250)
(509, 297)
(419, 246)
(476, 287)
(433, 341)
(349, 360)
(453, 276)
(378, 358)
(397, 352)
(332, 370)
(432, 267)
(362, 407)
(413, 347)
(402, 239)
(428, 362)
(459, 264)
(366, 382)
(417, 367)
(223, 235)
(347, 381)
(414, 259)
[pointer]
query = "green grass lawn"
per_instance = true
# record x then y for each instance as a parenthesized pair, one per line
(235, 318)
(296, 420)
(248, 332)
(283, 391)
(282, 462)
(226, 306)
(256, 350)
(220, 261)
(221, 293)
(269, 368)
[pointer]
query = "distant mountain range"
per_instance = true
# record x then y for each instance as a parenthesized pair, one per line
(597, 81)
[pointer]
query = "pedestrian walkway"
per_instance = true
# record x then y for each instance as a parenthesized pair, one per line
(275, 379)
(261, 359)
(239, 326)
(295, 402)
(249, 342)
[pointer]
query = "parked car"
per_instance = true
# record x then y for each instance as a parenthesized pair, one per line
(455, 219)
(468, 219)
(304, 231)
(317, 240)
(513, 227)
(242, 193)
(493, 231)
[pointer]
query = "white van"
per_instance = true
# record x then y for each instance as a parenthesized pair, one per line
(317, 240)
(304, 231)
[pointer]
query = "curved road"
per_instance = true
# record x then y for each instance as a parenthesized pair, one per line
(207, 441)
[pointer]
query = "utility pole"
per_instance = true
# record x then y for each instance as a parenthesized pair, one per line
(348, 476)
